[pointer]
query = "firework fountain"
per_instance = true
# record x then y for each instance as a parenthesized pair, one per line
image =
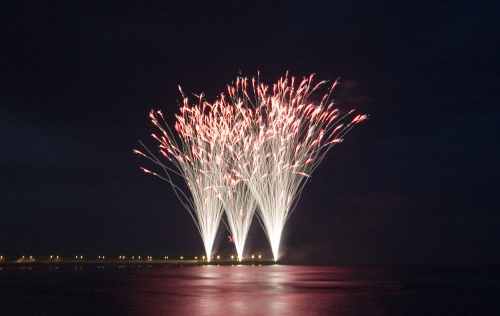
(243, 152)
(240, 206)
(286, 141)
(237, 198)
(198, 161)
(209, 135)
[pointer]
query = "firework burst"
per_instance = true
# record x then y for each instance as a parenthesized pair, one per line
(199, 162)
(286, 140)
(251, 149)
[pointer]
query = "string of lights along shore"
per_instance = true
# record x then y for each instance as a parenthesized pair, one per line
(248, 153)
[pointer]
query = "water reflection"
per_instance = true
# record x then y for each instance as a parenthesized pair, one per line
(247, 290)
(277, 290)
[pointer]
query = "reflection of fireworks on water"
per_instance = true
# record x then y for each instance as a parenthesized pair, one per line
(249, 152)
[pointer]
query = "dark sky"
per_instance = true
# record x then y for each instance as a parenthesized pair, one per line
(417, 183)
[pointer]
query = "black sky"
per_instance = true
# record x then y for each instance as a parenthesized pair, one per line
(417, 183)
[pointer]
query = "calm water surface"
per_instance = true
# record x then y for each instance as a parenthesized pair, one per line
(247, 290)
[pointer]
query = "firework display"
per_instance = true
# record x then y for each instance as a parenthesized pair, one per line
(197, 161)
(287, 141)
(255, 148)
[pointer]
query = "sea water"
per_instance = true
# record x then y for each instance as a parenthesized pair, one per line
(250, 290)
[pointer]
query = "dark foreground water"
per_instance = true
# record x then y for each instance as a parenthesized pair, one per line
(247, 290)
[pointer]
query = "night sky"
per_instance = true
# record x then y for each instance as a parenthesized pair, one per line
(418, 183)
